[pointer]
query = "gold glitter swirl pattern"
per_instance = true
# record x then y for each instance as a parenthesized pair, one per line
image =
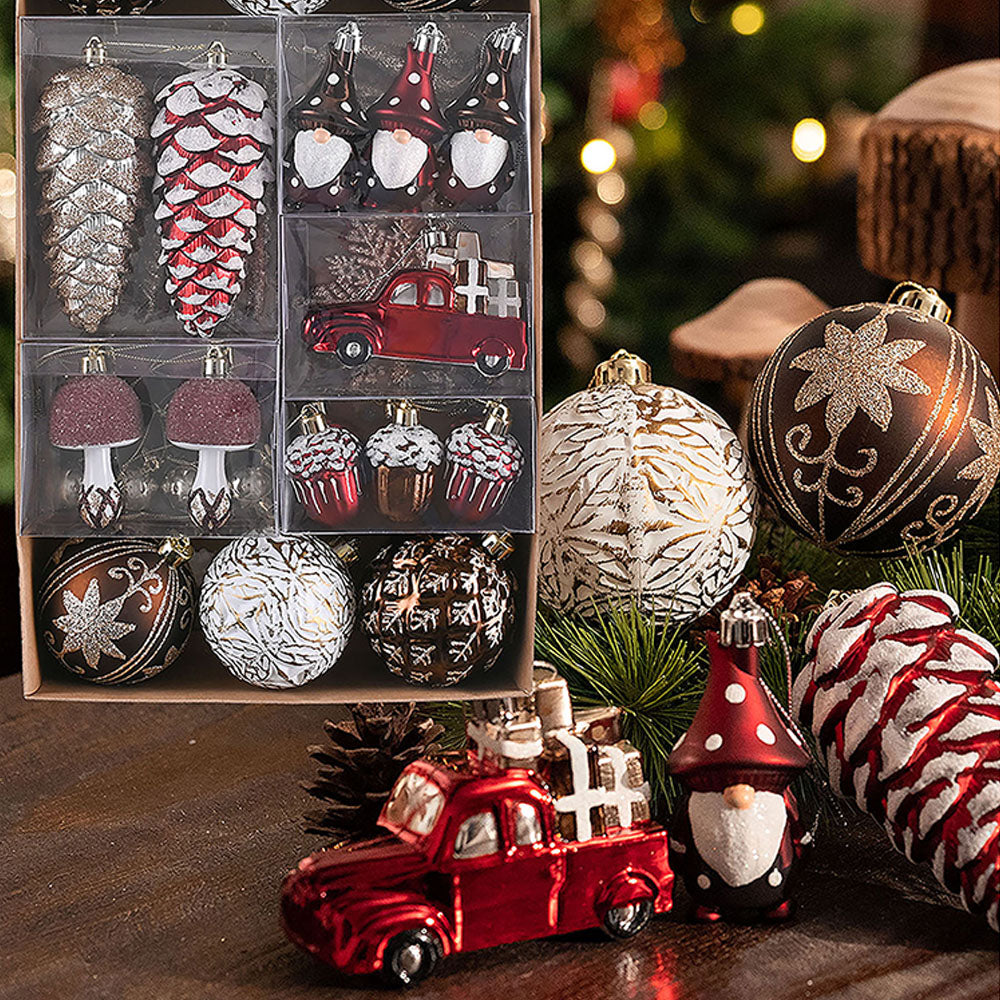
(891, 438)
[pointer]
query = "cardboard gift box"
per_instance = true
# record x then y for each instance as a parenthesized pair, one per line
(281, 53)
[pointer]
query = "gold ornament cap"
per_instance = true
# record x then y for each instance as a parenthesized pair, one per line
(176, 550)
(346, 550)
(313, 418)
(499, 544)
(402, 412)
(921, 298)
(218, 362)
(94, 362)
(497, 417)
(621, 367)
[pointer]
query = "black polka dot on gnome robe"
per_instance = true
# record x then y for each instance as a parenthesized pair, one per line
(399, 163)
(321, 162)
(479, 156)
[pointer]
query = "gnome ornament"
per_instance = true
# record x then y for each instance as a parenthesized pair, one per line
(400, 164)
(321, 163)
(735, 835)
(486, 121)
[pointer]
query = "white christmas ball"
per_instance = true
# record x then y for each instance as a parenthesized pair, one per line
(645, 495)
(262, 8)
(277, 611)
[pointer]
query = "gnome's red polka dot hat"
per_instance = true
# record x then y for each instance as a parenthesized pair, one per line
(490, 100)
(410, 102)
(738, 735)
(333, 99)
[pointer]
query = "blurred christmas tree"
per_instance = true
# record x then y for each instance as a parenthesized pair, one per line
(694, 182)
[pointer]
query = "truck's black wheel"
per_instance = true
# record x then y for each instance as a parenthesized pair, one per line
(626, 921)
(354, 348)
(492, 365)
(410, 957)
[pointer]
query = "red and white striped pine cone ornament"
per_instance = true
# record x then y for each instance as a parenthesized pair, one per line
(906, 713)
(213, 133)
(94, 164)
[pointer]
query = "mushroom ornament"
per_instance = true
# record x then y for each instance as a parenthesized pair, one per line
(735, 835)
(94, 412)
(408, 123)
(321, 163)
(486, 122)
(213, 415)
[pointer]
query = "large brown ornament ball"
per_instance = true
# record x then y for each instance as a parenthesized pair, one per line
(645, 496)
(876, 427)
(116, 611)
(436, 609)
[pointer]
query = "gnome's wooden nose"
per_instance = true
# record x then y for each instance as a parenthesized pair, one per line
(402, 136)
(738, 796)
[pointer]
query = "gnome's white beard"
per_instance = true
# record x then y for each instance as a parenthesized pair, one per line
(397, 163)
(738, 844)
(318, 163)
(476, 163)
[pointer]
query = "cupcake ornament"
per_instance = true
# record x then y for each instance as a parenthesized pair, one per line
(484, 462)
(404, 456)
(322, 464)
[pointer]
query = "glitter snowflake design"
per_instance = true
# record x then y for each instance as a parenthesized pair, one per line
(91, 626)
(856, 369)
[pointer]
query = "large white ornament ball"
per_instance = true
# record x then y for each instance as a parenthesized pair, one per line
(646, 495)
(277, 611)
(261, 8)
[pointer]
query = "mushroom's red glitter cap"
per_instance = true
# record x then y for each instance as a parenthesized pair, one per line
(214, 412)
(94, 411)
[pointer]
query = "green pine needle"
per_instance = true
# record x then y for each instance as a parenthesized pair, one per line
(650, 670)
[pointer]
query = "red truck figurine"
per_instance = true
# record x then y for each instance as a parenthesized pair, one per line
(469, 860)
(416, 317)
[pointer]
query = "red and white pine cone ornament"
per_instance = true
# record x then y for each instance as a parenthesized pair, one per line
(213, 131)
(906, 713)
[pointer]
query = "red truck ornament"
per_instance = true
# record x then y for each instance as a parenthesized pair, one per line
(417, 317)
(469, 861)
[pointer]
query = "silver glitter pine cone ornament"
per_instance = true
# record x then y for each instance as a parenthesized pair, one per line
(117, 611)
(93, 163)
(875, 427)
(436, 609)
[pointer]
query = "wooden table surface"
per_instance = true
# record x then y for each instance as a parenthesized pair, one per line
(143, 846)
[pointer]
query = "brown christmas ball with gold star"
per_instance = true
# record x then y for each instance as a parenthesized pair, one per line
(117, 611)
(436, 609)
(876, 427)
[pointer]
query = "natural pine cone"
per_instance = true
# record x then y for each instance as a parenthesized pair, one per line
(360, 765)
(213, 131)
(95, 118)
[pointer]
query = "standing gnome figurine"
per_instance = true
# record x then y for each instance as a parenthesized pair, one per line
(321, 165)
(735, 835)
(487, 122)
(408, 122)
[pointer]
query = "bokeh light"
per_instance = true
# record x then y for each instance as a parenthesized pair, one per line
(598, 156)
(652, 115)
(808, 140)
(747, 18)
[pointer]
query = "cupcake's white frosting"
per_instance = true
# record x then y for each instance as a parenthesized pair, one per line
(398, 446)
(492, 456)
(332, 450)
